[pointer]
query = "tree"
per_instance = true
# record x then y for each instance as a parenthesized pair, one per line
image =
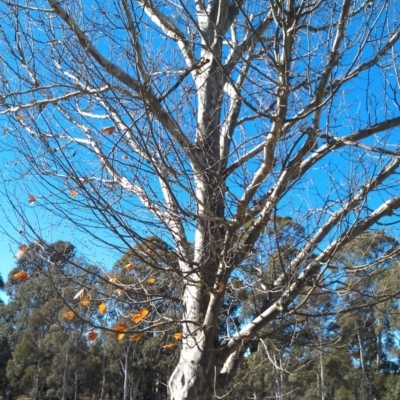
(204, 121)
(5, 352)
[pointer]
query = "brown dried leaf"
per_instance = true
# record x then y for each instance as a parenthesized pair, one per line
(92, 335)
(109, 130)
(128, 267)
(21, 276)
(69, 315)
(137, 337)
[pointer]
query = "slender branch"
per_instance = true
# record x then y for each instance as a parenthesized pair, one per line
(250, 330)
(144, 90)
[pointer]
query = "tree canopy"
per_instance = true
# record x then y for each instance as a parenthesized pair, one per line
(255, 140)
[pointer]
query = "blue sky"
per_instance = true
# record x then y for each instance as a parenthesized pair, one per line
(51, 228)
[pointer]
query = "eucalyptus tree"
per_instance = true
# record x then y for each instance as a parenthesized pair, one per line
(201, 121)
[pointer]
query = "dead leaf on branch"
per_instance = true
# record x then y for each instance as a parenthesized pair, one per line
(24, 248)
(137, 337)
(102, 308)
(92, 335)
(177, 336)
(128, 267)
(69, 315)
(21, 276)
(121, 328)
(140, 316)
(109, 130)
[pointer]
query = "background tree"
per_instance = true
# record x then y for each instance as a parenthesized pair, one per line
(319, 351)
(205, 121)
(5, 350)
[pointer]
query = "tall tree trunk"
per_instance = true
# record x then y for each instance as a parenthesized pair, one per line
(126, 380)
(362, 364)
(103, 381)
(193, 378)
(322, 375)
(135, 388)
(65, 374)
(76, 386)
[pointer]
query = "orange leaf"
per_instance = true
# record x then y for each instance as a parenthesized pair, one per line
(102, 308)
(73, 193)
(118, 291)
(120, 327)
(92, 335)
(151, 280)
(85, 303)
(144, 312)
(21, 276)
(138, 317)
(120, 336)
(169, 346)
(128, 267)
(109, 130)
(24, 248)
(137, 337)
(31, 199)
(177, 336)
(20, 117)
(81, 294)
(221, 287)
(69, 315)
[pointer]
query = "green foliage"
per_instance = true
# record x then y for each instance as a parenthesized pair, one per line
(302, 355)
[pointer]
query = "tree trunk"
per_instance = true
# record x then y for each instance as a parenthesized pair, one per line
(135, 388)
(193, 378)
(65, 375)
(103, 381)
(362, 365)
(125, 368)
(321, 363)
(76, 387)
